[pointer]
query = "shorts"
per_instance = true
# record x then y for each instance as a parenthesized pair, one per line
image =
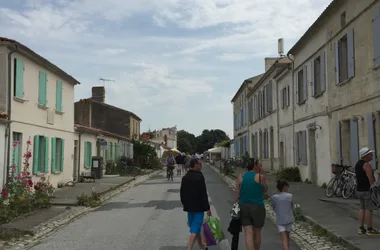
(285, 228)
(252, 215)
(195, 221)
(365, 200)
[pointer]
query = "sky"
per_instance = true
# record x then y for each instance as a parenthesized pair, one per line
(174, 62)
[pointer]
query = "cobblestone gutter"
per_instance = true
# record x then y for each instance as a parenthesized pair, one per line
(302, 233)
(49, 227)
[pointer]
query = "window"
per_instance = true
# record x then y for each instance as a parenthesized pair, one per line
(40, 154)
(302, 85)
(17, 152)
(42, 89)
(58, 96)
(57, 154)
(87, 156)
(301, 147)
(18, 78)
(268, 97)
(285, 97)
(345, 57)
(250, 110)
(376, 35)
(343, 19)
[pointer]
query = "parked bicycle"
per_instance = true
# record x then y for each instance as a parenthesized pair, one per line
(130, 170)
(343, 183)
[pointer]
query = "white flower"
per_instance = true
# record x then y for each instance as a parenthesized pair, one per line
(6, 202)
(296, 206)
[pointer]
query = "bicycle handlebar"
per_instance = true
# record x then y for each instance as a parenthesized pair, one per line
(343, 166)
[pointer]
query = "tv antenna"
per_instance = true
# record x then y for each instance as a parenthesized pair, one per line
(106, 80)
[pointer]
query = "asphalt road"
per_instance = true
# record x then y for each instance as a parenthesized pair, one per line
(150, 217)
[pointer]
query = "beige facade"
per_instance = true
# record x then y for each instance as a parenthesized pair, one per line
(134, 127)
(42, 110)
(166, 137)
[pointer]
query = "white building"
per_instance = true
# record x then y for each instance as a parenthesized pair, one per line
(166, 137)
(41, 105)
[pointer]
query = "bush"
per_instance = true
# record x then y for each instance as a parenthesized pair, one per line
(20, 195)
(228, 171)
(94, 200)
(289, 174)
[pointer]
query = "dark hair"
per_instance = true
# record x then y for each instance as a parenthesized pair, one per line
(251, 164)
(281, 184)
(193, 162)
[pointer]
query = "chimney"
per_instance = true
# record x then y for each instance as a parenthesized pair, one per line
(99, 94)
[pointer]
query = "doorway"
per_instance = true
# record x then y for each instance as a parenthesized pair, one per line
(282, 155)
(271, 138)
(75, 163)
(313, 157)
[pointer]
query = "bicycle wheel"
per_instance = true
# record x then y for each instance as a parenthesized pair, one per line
(349, 188)
(339, 187)
(331, 187)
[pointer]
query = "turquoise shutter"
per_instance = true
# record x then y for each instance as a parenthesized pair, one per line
(42, 89)
(58, 95)
(16, 157)
(62, 163)
(109, 151)
(36, 151)
(46, 167)
(90, 154)
(53, 154)
(85, 155)
(19, 79)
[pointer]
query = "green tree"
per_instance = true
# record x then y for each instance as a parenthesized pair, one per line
(186, 141)
(209, 138)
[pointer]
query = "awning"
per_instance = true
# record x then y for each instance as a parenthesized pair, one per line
(215, 150)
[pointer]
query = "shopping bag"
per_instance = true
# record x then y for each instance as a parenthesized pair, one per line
(208, 235)
(215, 227)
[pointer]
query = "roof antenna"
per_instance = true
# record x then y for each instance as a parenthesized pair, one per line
(106, 80)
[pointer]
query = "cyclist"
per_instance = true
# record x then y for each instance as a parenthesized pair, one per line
(170, 165)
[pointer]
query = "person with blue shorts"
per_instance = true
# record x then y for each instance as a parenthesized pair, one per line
(194, 199)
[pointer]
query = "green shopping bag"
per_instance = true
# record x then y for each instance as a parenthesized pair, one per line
(215, 227)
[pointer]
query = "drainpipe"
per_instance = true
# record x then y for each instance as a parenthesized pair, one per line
(9, 111)
(79, 154)
(293, 112)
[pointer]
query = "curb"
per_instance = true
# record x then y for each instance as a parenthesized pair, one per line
(106, 195)
(294, 236)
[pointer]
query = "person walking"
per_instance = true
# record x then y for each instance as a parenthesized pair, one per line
(365, 178)
(195, 202)
(250, 189)
(282, 204)
(170, 165)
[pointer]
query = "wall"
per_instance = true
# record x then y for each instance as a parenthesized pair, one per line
(83, 112)
(134, 126)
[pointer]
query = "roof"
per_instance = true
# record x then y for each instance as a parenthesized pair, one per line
(314, 26)
(280, 63)
(108, 105)
(99, 131)
(245, 82)
(12, 44)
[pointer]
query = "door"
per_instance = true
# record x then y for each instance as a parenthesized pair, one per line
(75, 163)
(282, 155)
(313, 157)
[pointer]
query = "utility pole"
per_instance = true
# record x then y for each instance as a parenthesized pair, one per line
(106, 80)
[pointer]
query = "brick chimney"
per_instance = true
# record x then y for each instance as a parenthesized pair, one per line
(99, 94)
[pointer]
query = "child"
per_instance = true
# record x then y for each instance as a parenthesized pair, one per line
(282, 204)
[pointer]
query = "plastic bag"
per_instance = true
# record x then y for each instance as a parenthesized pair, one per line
(213, 224)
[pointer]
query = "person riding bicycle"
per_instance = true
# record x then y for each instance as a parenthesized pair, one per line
(170, 164)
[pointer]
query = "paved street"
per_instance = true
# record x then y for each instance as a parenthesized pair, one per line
(149, 217)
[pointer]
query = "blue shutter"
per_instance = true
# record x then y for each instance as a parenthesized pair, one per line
(36, 155)
(376, 35)
(338, 145)
(351, 53)
(42, 89)
(53, 155)
(323, 71)
(296, 148)
(270, 96)
(46, 162)
(337, 66)
(305, 83)
(372, 139)
(297, 90)
(354, 141)
(58, 95)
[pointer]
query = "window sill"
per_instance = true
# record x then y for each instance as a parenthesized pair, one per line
(59, 112)
(40, 174)
(318, 95)
(18, 99)
(56, 172)
(376, 67)
(301, 103)
(344, 82)
(42, 107)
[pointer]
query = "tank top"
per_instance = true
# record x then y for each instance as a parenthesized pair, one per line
(251, 192)
(361, 177)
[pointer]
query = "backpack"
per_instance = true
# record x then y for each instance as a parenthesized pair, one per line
(171, 161)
